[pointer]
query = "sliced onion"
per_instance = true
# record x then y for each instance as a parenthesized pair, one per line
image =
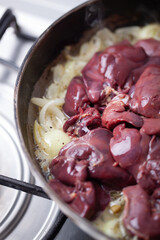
(49, 142)
(58, 72)
(52, 114)
(129, 33)
(40, 102)
(150, 31)
(106, 37)
(39, 137)
(55, 139)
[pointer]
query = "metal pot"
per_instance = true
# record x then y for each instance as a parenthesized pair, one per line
(34, 73)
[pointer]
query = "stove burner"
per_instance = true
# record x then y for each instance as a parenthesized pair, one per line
(13, 203)
(18, 209)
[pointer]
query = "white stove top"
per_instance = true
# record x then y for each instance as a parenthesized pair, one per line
(22, 216)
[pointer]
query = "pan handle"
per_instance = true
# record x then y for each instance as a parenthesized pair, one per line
(37, 191)
(23, 186)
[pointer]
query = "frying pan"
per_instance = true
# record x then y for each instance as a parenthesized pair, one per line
(34, 74)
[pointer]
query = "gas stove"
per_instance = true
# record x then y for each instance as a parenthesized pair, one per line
(24, 216)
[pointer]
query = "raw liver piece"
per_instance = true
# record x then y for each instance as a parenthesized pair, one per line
(76, 97)
(125, 146)
(149, 172)
(86, 198)
(80, 124)
(142, 212)
(130, 149)
(111, 67)
(92, 152)
(69, 171)
(151, 126)
(116, 113)
(151, 46)
(146, 97)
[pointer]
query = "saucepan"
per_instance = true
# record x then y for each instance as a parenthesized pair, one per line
(34, 74)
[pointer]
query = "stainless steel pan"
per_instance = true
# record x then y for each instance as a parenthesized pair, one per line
(34, 76)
